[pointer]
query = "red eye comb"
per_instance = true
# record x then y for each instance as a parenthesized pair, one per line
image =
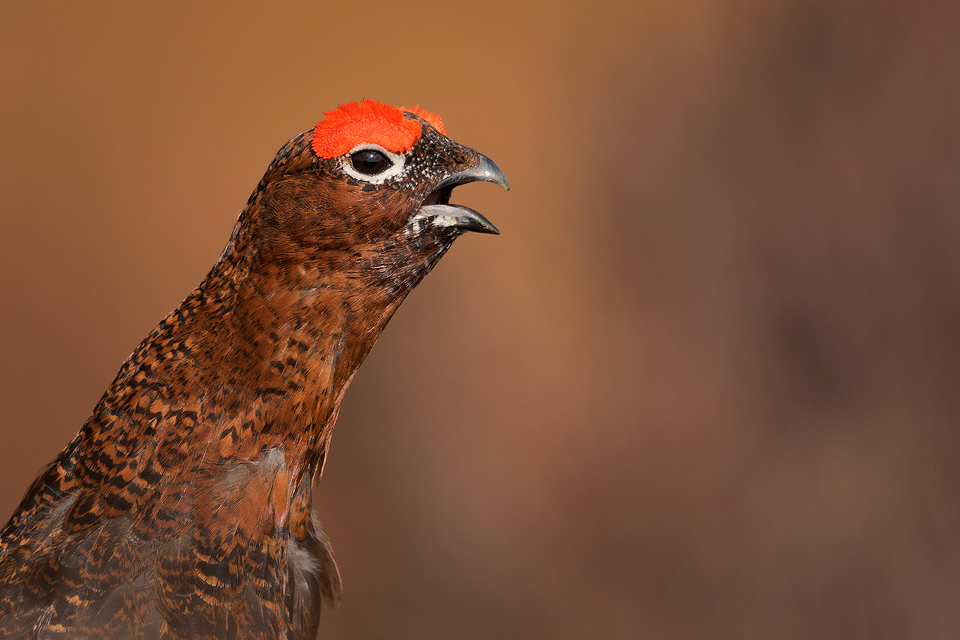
(369, 122)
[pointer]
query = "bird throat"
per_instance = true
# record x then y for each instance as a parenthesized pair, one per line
(244, 379)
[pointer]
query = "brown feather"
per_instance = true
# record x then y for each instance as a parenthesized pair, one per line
(182, 509)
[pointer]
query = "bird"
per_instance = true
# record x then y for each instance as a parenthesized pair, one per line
(182, 508)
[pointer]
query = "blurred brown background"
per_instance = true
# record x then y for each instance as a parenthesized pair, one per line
(705, 385)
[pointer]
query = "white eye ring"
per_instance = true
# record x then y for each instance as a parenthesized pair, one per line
(392, 171)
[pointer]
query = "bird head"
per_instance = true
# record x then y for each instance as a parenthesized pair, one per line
(366, 192)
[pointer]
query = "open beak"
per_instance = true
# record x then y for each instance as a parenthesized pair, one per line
(438, 210)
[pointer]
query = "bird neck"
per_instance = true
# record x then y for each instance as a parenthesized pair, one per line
(277, 346)
(252, 364)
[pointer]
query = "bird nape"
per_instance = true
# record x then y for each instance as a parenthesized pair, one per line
(182, 509)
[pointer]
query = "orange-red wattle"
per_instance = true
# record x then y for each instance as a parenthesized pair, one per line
(368, 122)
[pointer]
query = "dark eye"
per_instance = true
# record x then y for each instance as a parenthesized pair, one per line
(370, 162)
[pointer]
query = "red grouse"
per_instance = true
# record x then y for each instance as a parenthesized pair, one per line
(182, 509)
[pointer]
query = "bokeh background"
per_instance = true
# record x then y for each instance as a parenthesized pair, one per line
(706, 384)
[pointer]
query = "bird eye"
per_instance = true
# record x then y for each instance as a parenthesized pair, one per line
(370, 162)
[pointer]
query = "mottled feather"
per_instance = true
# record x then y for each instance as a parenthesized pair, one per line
(182, 509)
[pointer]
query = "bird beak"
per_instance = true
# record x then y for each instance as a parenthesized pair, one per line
(485, 171)
(440, 213)
(459, 216)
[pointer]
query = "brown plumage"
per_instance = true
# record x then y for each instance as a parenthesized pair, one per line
(182, 509)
